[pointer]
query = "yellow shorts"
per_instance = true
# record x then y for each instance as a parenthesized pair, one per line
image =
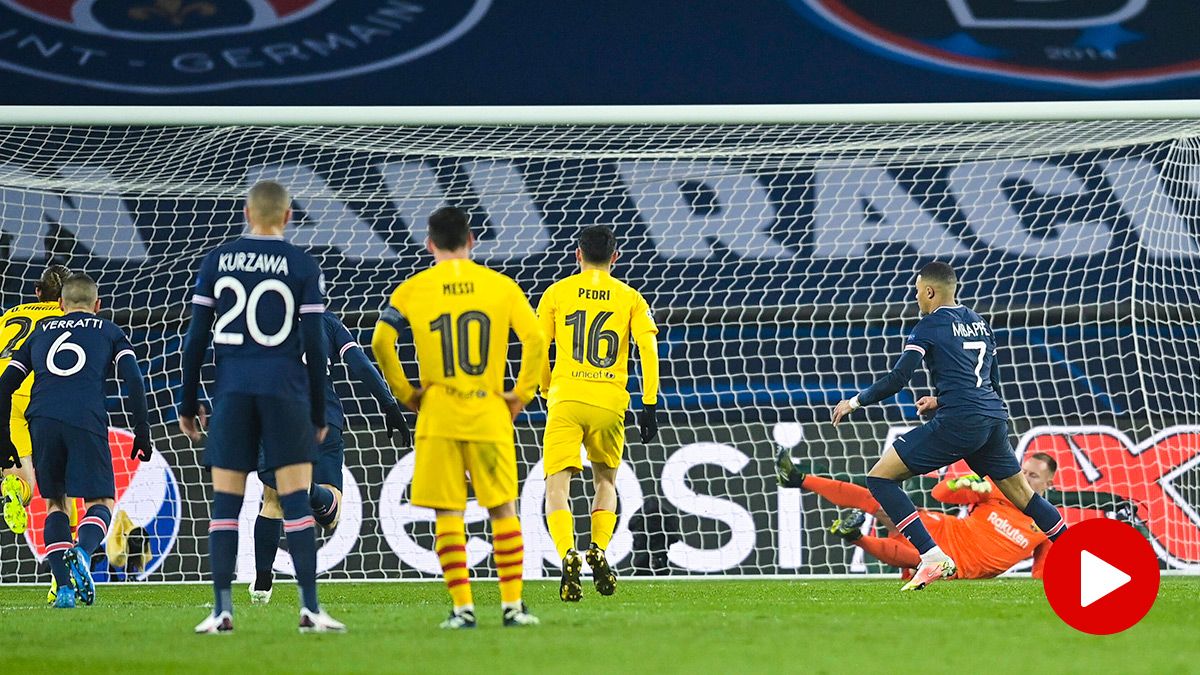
(571, 424)
(20, 435)
(446, 465)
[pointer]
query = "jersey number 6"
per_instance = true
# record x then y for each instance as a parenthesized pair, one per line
(61, 345)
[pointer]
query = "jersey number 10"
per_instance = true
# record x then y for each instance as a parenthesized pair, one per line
(446, 328)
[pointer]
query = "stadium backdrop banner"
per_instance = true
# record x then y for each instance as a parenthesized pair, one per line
(481, 52)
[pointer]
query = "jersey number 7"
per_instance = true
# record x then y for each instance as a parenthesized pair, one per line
(982, 348)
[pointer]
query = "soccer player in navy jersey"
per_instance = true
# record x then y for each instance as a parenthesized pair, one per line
(325, 495)
(970, 420)
(267, 297)
(71, 358)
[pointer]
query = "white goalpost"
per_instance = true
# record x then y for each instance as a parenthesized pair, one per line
(776, 245)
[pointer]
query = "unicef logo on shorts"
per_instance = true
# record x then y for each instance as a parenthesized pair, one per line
(1081, 43)
(185, 46)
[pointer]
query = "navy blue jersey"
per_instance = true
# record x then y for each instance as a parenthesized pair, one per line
(71, 357)
(959, 350)
(340, 342)
(258, 286)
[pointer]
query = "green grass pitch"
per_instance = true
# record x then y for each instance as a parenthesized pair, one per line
(818, 626)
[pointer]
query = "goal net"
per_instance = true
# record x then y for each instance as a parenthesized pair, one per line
(778, 259)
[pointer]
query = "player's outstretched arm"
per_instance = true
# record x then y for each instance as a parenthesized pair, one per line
(647, 344)
(133, 383)
(885, 388)
(194, 345)
(533, 353)
(366, 375)
(545, 315)
(316, 346)
(383, 345)
(10, 381)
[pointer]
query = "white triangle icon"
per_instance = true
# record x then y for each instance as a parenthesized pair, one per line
(1097, 578)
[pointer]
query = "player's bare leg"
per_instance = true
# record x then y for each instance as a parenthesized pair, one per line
(604, 508)
(884, 482)
(16, 490)
(561, 523)
(268, 527)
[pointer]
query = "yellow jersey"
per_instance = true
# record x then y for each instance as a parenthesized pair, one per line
(592, 317)
(15, 326)
(460, 314)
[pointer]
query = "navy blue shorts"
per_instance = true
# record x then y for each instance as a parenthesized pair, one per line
(249, 432)
(327, 470)
(981, 441)
(69, 461)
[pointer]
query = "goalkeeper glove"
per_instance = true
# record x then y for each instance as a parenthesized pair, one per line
(142, 445)
(394, 421)
(648, 422)
(8, 452)
(972, 482)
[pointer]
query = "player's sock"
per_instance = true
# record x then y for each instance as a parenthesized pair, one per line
(93, 528)
(1048, 519)
(324, 503)
(298, 524)
(222, 548)
(561, 524)
(452, 554)
(898, 553)
(509, 552)
(57, 532)
(845, 495)
(603, 524)
(902, 511)
(266, 542)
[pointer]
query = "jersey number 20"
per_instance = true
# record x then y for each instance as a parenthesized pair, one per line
(248, 303)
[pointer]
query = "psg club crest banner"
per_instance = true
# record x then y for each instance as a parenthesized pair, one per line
(476, 52)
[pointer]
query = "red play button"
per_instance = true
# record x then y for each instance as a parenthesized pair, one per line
(1101, 576)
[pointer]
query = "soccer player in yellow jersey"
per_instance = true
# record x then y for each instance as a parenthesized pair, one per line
(15, 326)
(460, 313)
(592, 318)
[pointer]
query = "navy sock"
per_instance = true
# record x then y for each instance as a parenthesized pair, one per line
(57, 532)
(298, 524)
(222, 548)
(93, 528)
(900, 508)
(266, 542)
(1048, 519)
(324, 504)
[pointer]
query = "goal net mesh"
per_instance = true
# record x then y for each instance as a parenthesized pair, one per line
(778, 260)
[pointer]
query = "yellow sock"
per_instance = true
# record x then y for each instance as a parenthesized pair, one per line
(452, 554)
(73, 513)
(603, 524)
(508, 549)
(561, 524)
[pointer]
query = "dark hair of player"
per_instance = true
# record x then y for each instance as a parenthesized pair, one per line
(939, 274)
(1053, 465)
(80, 290)
(597, 243)
(49, 287)
(268, 201)
(449, 228)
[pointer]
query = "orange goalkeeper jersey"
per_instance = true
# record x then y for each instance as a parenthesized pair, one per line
(993, 537)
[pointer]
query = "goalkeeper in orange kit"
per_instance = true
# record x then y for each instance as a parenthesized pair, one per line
(993, 537)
